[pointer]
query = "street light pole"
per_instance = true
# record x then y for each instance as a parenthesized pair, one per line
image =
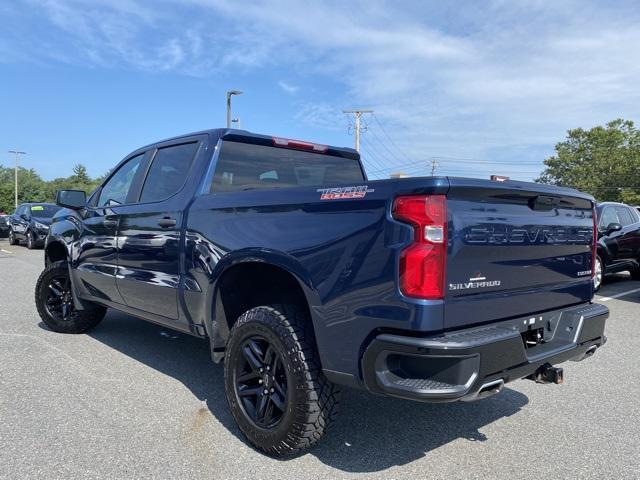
(16, 154)
(230, 93)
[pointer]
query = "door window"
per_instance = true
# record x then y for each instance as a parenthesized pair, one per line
(609, 216)
(624, 216)
(117, 188)
(168, 172)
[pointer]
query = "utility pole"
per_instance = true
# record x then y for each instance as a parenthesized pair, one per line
(434, 165)
(16, 155)
(358, 114)
(230, 93)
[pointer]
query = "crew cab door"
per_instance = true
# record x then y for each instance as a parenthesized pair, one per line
(95, 252)
(629, 238)
(612, 240)
(149, 232)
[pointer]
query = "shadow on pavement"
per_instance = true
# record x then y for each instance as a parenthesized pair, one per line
(372, 433)
(620, 283)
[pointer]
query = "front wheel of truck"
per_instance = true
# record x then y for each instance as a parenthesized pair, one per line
(276, 390)
(54, 301)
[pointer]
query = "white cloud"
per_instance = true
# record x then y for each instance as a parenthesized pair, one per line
(321, 115)
(288, 87)
(463, 79)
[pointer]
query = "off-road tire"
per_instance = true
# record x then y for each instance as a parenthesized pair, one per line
(78, 321)
(312, 400)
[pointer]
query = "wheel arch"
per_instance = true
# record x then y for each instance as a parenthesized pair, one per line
(249, 281)
(55, 251)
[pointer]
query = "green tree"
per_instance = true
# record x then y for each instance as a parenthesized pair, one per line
(603, 161)
(32, 188)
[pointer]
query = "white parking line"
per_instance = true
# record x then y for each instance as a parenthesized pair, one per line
(5, 251)
(617, 295)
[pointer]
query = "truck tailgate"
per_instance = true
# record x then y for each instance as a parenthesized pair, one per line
(515, 248)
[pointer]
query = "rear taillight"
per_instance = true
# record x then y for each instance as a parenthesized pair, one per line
(594, 244)
(422, 264)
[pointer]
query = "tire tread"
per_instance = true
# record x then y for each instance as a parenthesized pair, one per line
(319, 409)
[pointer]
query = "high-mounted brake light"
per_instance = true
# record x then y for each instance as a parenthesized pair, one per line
(422, 264)
(299, 144)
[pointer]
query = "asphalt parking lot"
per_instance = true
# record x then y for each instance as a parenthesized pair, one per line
(134, 400)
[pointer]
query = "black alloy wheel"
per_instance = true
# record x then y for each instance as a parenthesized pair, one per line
(55, 302)
(277, 392)
(59, 299)
(261, 382)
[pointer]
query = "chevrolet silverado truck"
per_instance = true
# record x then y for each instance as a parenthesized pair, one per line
(306, 277)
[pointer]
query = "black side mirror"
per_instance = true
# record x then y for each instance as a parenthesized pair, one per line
(73, 199)
(24, 217)
(613, 227)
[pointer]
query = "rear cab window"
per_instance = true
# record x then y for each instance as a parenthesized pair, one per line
(244, 166)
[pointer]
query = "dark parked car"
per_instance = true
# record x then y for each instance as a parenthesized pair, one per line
(30, 223)
(304, 275)
(4, 226)
(618, 241)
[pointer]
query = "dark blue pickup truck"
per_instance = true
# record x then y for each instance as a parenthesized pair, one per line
(305, 276)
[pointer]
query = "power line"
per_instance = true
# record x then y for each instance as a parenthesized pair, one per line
(385, 146)
(384, 130)
(371, 156)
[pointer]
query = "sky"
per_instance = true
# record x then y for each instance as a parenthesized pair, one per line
(472, 88)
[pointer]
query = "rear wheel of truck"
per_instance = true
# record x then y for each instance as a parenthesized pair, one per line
(276, 390)
(54, 301)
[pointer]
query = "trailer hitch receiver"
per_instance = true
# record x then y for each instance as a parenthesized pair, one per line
(547, 373)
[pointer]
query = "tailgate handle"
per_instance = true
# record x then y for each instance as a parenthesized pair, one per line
(543, 202)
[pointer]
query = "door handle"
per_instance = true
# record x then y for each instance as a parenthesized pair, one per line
(109, 223)
(167, 222)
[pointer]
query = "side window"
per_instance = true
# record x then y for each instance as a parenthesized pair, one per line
(624, 216)
(168, 172)
(115, 191)
(634, 214)
(609, 216)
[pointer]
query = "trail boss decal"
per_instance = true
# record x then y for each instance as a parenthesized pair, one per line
(477, 281)
(344, 192)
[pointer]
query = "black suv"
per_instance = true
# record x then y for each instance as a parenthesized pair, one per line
(30, 223)
(618, 241)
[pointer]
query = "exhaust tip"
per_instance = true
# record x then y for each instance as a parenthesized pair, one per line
(487, 390)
